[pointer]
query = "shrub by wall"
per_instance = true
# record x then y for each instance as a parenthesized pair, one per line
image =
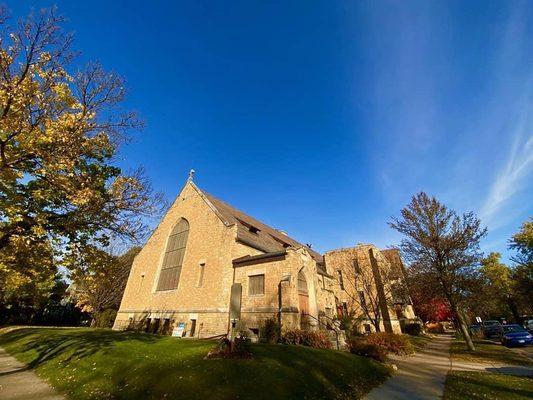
(391, 343)
(362, 348)
(414, 329)
(316, 339)
(270, 330)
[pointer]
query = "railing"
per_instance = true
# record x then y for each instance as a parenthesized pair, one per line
(329, 327)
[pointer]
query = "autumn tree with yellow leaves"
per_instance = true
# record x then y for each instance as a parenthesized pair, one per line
(59, 133)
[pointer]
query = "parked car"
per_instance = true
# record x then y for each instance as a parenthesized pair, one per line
(475, 330)
(528, 324)
(515, 335)
(491, 328)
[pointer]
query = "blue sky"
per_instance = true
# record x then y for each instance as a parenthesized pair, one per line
(323, 118)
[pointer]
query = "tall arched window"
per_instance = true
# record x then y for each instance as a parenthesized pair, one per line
(303, 295)
(169, 276)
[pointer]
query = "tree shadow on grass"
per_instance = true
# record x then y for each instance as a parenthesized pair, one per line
(177, 369)
(68, 344)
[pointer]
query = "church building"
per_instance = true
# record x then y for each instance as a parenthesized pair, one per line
(208, 267)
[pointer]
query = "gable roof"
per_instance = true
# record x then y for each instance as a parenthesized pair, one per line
(254, 233)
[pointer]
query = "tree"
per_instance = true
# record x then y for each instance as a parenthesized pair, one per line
(60, 133)
(444, 246)
(428, 306)
(27, 277)
(522, 242)
(498, 284)
(100, 279)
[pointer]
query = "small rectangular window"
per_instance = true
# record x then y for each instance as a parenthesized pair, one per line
(356, 266)
(341, 280)
(256, 284)
(362, 299)
(201, 275)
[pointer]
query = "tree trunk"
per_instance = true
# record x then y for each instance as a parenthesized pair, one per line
(464, 327)
(375, 322)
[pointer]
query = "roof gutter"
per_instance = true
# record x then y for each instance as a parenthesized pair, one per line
(253, 245)
(259, 259)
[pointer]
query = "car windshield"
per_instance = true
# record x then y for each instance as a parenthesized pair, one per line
(491, 323)
(513, 328)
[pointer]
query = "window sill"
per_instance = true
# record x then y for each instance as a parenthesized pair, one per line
(165, 291)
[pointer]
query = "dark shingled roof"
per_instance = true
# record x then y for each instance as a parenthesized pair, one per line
(256, 234)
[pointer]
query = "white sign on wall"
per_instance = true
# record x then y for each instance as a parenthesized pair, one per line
(179, 330)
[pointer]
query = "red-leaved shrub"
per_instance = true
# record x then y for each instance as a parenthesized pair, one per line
(391, 342)
(316, 339)
(361, 347)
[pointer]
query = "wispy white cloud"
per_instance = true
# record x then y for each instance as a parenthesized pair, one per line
(500, 206)
(461, 131)
(515, 173)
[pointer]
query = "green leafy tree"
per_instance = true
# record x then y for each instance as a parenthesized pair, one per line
(444, 247)
(498, 285)
(60, 133)
(99, 278)
(522, 242)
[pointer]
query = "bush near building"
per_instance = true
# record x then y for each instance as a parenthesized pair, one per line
(362, 348)
(414, 329)
(316, 339)
(391, 342)
(377, 345)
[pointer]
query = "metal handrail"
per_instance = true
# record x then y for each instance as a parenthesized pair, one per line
(332, 327)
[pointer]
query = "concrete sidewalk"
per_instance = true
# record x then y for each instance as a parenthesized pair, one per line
(19, 383)
(420, 377)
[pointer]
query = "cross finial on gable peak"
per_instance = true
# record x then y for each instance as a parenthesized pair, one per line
(191, 175)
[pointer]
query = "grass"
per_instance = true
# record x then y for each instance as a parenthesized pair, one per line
(419, 342)
(487, 351)
(103, 364)
(462, 385)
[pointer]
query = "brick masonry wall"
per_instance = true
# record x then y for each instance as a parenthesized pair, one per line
(256, 308)
(209, 242)
(343, 260)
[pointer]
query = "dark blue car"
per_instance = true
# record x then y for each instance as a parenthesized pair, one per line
(515, 335)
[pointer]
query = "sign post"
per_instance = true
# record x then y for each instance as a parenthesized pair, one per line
(235, 311)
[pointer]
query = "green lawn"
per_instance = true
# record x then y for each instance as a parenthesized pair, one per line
(103, 364)
(462, 385)
(487, 351)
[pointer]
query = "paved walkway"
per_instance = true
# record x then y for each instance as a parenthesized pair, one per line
(19, 383)
(420, 377)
